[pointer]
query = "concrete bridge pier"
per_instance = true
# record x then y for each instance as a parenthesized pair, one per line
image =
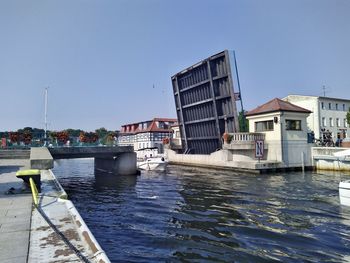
(121, 164)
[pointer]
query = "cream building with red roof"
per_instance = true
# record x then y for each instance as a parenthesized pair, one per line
(146, 134)
(285, 127)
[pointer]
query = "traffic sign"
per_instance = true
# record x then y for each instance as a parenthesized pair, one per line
(259, 149)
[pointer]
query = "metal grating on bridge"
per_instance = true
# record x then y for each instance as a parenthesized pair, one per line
(206, 102)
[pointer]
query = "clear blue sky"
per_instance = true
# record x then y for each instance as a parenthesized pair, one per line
(101, 58)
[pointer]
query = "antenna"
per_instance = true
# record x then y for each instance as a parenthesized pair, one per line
(324, 90)
(45, 136)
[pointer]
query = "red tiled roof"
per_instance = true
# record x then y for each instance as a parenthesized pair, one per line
(165, 119)
(154, 119)
(152, 128)
(276, 105)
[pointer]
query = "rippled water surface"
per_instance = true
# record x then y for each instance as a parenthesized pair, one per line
(199, 215)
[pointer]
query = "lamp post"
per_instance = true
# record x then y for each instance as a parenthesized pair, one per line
(45, 135)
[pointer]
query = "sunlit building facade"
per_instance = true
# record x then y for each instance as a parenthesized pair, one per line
(146, 134)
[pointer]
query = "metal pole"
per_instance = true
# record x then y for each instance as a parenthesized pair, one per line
(45, 136)
(302, 162)
(239, 90)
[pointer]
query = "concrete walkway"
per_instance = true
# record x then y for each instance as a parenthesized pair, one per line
(15, 214)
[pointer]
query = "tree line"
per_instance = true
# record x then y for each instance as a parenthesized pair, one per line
(35, 136)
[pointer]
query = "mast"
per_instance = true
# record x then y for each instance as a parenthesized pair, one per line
(45, 136)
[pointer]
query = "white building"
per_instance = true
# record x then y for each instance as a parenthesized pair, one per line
(146, 134)
(285, 129)
(328, 114)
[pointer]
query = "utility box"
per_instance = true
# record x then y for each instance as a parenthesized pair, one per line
(205, 98)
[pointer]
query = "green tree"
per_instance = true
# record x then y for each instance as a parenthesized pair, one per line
(243, 122)
(109, 138)
(38, 133)
(74, 132)
(101, 132)
(348, 117)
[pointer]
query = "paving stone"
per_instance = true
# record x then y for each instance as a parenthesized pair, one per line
(15, 226)
(15, 260)
(14, 244)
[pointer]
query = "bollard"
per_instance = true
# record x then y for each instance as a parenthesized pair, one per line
(25, 175)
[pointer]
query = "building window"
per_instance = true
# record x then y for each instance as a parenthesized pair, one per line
(264, 126)
(322, 105)
(324, 123)
(338, 122)
(345, 123)
(329, 106)
(336, 106)
(294, 125)
(331, 122)
(343, 107)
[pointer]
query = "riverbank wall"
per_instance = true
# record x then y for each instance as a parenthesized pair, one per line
(226, 159)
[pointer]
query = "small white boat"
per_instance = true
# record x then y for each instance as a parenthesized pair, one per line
(344, 192)
(150, 159)
(152, 163)
(344, 154)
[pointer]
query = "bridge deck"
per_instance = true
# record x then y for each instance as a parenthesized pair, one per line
(88, 152)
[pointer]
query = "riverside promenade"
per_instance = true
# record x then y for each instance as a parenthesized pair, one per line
(53, 232)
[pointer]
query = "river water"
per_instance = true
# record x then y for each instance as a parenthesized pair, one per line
(200, 215)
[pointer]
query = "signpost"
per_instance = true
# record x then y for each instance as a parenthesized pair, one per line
(259, 149)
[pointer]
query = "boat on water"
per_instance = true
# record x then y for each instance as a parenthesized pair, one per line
(344, 186)
(343, 154)
(153, 163)
(149, 159)
(344, 192)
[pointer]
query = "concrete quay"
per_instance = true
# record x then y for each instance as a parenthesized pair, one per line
(27, 236)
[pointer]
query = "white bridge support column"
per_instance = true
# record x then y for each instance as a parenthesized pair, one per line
(122, 164)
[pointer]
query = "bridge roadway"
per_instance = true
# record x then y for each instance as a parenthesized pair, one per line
(89, 152)
(113, 160)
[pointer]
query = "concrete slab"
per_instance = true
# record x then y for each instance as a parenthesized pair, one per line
(15, 260)
(11, 227)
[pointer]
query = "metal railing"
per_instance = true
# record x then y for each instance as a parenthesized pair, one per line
(35, 192)
(243, 137)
